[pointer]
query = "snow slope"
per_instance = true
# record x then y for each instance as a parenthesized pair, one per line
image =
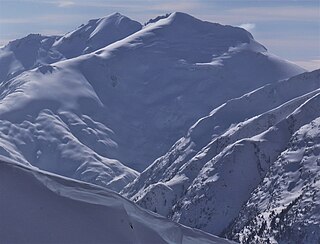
(128, 102)
(37, 207)
(206, 178)
(35, 49)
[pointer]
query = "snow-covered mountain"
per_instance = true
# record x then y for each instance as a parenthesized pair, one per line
(35, 50)
(108, 99)
(235, 159)
(37, 207)
(128, 102)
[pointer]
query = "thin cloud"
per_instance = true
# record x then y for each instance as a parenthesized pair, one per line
(57, 18)
(89, 3)
(51, 32)
(294, 42)
(4, 42)
(65, 3)
(309, 65)
(237, 16)
(15, 20)
(179, 5)
(176, 6)
(277, 13)
(248, 26)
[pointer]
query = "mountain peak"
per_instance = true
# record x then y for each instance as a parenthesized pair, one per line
(116, 14)
(96, 34)
(114, 17)
(28, 40)
(207, 39)
(28, 51)
(182, 16)
(192, 24)
(175, 16)
(111, 18)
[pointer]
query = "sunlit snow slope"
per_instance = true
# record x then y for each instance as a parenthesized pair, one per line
(36, 207)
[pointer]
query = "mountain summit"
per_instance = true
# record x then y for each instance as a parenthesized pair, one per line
(96, 34)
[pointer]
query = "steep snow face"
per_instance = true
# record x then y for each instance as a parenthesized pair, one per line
(97, 33)
(35, 50)
(286, 205)
(146, 89)
(76, 212)
(208, 175)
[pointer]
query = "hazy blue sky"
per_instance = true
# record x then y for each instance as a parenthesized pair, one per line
(290, 29)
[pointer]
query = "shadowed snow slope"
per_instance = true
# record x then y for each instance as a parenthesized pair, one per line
(36, 207)
(26, 53)
(208, 176)
(131, 100)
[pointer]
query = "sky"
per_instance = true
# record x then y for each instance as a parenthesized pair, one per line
(288, 28)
